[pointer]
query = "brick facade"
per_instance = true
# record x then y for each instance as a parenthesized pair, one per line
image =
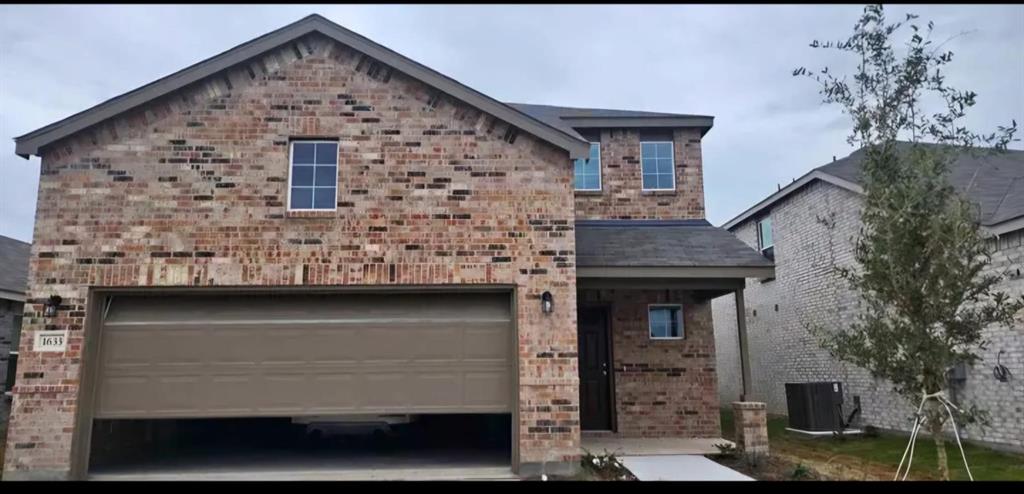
(663, 388)
(750, 426)
(622, 195)
(190, 191)
(806, 290)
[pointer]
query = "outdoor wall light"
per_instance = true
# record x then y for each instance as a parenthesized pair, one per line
(51, 306)
(547, 302)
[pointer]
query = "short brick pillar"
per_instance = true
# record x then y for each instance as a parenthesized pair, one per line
(751, 422)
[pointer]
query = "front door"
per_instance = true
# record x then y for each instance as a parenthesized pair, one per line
(595, 369)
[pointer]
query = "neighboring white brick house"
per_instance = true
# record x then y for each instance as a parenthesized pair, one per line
(814, 223)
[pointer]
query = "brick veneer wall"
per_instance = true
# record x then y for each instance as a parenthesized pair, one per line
(662, 387)
(806, 290)
(190, 191)
(622, 195)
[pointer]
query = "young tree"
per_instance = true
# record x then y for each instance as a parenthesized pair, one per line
(921, 259)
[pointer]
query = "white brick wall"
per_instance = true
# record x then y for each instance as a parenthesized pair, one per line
(807, 292)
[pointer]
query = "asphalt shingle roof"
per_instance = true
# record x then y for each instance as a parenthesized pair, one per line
(993, 181)
(555, 115)
(660, 243)
(14, 256)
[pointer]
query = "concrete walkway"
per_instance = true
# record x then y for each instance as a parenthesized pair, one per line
(679, 467)
(644, 446)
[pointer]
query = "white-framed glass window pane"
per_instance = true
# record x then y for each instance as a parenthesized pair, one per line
(665, 321)
(764, 233)
(588, 171)
(657, 166)
(313, 175)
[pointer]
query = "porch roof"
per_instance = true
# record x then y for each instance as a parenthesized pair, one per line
(664, 249)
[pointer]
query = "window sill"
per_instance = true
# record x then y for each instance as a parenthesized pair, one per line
(659, 192)
(589, 192)
(311, 214)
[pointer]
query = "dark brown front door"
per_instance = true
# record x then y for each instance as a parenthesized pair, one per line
(595, 369)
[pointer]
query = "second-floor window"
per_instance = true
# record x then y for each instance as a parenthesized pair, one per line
(657, 165)
(588, 171)
(313, 176)
(765, 242)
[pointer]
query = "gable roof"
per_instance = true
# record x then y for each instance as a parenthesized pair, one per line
(14, 256)
(568, 119)
(30, 143)
(993, 181)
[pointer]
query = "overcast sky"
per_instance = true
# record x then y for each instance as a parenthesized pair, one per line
(733, 62)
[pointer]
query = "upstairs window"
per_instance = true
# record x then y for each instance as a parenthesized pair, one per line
(657, 165)
(588, 171)
(665, 322)
(313, 176)
(765, 242)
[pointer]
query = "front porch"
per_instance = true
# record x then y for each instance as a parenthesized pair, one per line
(647, 368)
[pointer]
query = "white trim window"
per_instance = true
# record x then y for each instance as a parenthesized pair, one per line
(657, 165)
(765, 240)
(588, 171)
(313, 176)
(665, 321)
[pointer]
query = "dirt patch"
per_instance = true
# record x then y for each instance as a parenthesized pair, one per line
(773, 467)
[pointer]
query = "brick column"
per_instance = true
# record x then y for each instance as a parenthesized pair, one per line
(751, 422)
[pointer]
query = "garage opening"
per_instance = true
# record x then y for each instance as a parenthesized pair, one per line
(396, 447)
(310, 379)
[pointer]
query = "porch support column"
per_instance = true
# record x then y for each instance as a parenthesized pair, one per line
(741, 325)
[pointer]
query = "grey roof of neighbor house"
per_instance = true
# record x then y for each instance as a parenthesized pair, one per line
(661, 243)
(14, 256)
(569, 119)
(993, 180)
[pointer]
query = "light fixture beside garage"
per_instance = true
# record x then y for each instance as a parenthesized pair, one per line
(547, 302)
(51, 306)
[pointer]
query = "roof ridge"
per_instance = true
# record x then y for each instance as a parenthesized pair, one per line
(29, 143)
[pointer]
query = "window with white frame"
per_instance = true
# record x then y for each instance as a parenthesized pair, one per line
(765, 242)
(588, 171)
(313, 176)
(657, 165)
(665, 322)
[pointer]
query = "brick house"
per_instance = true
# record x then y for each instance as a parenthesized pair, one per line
(312, 224)
(808, 227)
(13, 276)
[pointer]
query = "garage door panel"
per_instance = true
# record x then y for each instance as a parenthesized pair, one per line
(487, 389)
(301, 355)
(487, 342)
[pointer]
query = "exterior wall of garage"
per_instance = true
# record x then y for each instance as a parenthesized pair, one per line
(662, 388)
(190, 191)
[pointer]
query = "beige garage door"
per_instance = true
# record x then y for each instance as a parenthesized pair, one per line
(290, 355)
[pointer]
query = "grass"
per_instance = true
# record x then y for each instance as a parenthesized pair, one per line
(880, 455)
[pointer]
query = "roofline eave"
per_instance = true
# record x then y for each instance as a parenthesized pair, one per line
(30, 143)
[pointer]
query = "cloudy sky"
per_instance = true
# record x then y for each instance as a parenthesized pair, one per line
(733, 62)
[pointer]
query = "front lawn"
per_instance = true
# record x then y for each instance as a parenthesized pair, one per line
(858, 457)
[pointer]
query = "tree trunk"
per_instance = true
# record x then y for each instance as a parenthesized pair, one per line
(940, 451)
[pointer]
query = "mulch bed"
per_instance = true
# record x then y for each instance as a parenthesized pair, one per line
(769, 468)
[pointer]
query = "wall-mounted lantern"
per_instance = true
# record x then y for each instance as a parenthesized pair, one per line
(51, 306)
(547, 302)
